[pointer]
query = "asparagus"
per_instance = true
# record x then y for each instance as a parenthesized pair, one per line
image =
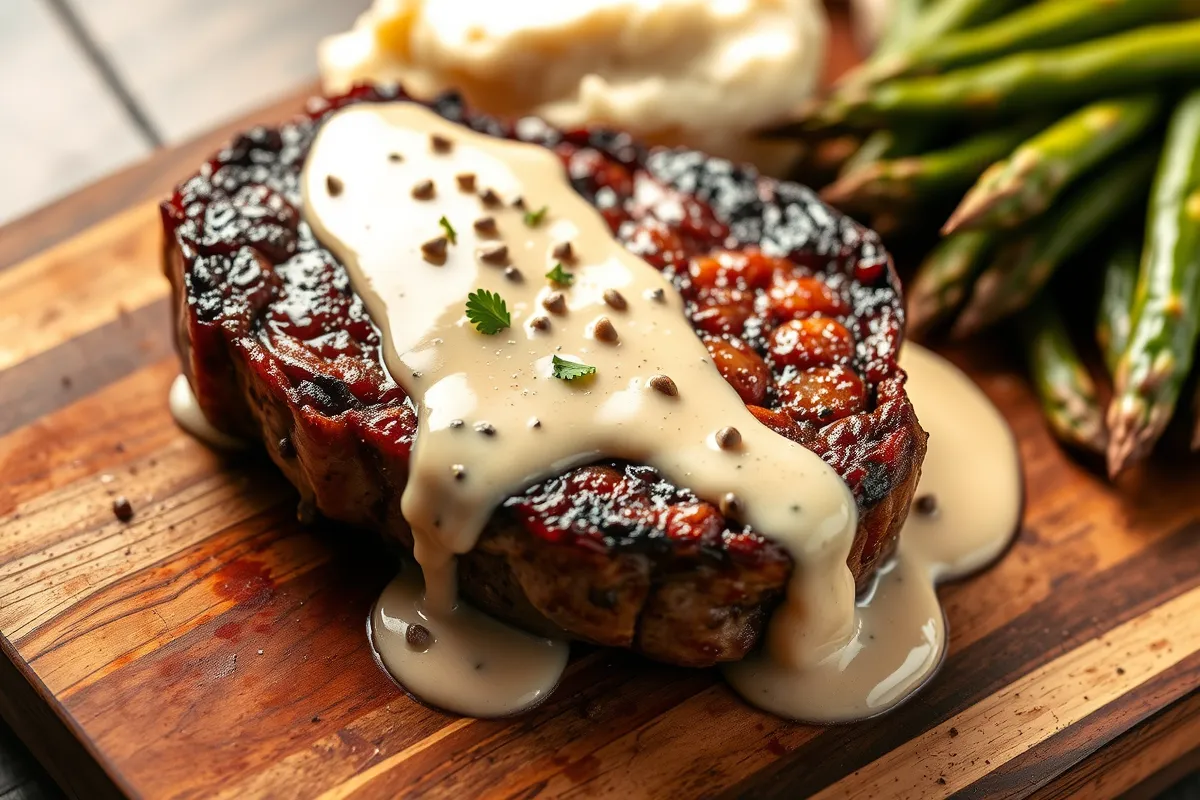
(887, 144)
(945, 16)
(906, 16)
(1026, 184)
(943, 279)
(1070, 402)
(1034, 27)
(933, 21)
(1151, 372)
(1022, 268)
(1138, 59)
(1116, 303)
(882, 183)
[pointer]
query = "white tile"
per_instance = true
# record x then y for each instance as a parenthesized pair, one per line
(192, 64)
(60, 127)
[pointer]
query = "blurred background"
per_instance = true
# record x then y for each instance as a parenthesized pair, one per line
(90, 86)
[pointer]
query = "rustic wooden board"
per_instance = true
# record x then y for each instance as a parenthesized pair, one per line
(214, 647)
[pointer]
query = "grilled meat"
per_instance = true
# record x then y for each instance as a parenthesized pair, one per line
(798, 305)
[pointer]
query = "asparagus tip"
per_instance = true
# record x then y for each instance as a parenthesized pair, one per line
(848, 188)
(872, 73)
(967, 212)
(1093, 438)
(1129, 439)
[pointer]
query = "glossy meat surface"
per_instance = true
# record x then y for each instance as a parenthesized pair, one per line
(798, 305)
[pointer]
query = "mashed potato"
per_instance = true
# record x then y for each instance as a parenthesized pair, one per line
(699, 72)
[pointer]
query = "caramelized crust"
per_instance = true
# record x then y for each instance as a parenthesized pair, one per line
(798, 305)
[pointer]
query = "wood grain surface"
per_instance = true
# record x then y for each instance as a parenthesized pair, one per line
(212, 646)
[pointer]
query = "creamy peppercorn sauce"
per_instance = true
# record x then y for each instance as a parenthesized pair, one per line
(424, 213)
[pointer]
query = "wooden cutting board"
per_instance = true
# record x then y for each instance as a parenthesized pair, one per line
(212, 646)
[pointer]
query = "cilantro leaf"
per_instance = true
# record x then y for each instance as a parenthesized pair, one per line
(534, 218)
(488, 312)
(451, 234)
(560, 275)
(570, 370)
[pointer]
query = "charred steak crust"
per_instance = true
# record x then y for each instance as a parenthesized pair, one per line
(278, 347)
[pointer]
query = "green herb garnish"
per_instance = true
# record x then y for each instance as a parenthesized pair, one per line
(451, 234)
(560, 275)
(488, 312)
(534, 218)
(570, 370)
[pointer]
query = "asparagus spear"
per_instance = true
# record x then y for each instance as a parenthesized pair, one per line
(1116, 302)
(1026, 184)
(887, 144)
(943, 279)
(1022, 268)
(935, 20)
(882, 183)
(1162, 342)
(1138, 59)
(906, 16)
(1070, 402)
(1034, 27)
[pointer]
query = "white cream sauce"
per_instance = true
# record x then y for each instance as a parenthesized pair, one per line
(465, 660)
(972, 470)
(361, 204)
(493, 419)
(189, 416)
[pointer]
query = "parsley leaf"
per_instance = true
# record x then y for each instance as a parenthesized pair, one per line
(451, 234)
(488, 312)
(560, 275)
(534, 218)
(570, 370)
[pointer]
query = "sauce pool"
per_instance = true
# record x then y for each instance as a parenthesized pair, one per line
(394, 191)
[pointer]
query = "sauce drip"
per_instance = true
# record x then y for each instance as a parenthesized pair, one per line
(463, 659)
(404, 199)
(189, 416)
(476, 394)
(972, 472)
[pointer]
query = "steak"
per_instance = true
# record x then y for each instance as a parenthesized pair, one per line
(798, 305)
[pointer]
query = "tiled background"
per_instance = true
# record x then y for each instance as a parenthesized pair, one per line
(88, 86)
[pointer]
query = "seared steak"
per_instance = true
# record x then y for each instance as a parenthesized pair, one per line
(798, 305)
